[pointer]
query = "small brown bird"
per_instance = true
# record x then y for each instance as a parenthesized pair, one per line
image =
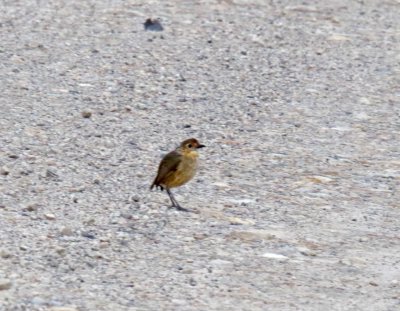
(177, 168)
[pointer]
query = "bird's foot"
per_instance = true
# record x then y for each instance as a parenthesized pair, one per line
(180, 208)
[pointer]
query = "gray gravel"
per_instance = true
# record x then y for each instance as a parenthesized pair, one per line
(296, 203)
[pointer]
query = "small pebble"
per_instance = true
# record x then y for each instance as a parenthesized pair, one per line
(153, 25)
(114, 221)
(50, 216)
(86, 114)
(239, 221)
(306, 251)
(104, 244)
(126, 215)
(4, 171)
(31, 207)
(51, 174)
(90, 222)
(188, 239)
(135, 198)
(88, 234)
(338, 38)
(192, 282)
(274, 256)
(5, 284)
(4, 254)
(124, 242)
(66, 231)
(60, 250)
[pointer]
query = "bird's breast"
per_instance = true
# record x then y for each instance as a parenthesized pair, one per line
(185, 171)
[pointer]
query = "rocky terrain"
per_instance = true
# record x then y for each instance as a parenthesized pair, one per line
(296, 202)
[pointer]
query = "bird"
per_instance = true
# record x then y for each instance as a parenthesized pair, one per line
(177, 168)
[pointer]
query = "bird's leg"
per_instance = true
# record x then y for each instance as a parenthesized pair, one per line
(175, 202)
(171, 197)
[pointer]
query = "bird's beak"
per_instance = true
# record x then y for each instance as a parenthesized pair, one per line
(200, 146)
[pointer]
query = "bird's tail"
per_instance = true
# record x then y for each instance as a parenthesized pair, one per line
(154, 184)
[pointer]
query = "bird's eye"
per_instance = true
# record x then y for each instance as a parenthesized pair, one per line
(190, 146)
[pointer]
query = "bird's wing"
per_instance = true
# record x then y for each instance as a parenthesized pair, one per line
(168, 164)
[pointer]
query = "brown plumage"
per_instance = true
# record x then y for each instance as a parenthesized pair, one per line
(177, 168)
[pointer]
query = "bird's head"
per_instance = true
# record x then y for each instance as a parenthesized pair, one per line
(190, 144)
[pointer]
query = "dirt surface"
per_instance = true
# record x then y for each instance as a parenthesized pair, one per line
(296, 202)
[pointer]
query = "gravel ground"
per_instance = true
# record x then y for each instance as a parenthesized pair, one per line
(296, 202)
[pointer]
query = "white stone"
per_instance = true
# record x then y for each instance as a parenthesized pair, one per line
(50, 216)
(274, 256)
